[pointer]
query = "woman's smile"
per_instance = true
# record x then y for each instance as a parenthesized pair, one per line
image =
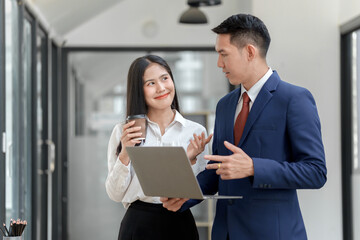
(163, 96)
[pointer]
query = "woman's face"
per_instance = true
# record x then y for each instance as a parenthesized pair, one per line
(159, 88)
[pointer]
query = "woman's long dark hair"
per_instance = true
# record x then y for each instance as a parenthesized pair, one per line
(135, 87)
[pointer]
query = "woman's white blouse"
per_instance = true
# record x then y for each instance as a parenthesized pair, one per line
(122, 184)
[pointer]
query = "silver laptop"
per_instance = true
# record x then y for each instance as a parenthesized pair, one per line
(167, 172)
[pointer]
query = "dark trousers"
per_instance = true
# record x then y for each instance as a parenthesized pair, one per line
(152, 221)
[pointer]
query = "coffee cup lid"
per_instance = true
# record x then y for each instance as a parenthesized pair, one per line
(136, 116)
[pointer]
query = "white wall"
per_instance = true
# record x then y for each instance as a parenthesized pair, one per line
(349, 9)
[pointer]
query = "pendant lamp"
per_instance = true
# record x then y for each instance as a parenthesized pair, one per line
(193, 15)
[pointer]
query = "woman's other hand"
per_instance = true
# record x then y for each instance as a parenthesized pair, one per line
(197, 146)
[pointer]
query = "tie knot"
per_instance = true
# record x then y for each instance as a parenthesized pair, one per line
(246, 98)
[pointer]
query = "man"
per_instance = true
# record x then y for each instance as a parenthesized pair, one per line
(267, 142)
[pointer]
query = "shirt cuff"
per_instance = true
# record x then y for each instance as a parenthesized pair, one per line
(120, 167)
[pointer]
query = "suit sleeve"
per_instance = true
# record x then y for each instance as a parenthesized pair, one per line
(305, 168)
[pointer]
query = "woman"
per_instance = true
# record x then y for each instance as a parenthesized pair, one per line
(151, 90)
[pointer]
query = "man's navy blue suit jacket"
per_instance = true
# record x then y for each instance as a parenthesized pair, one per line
(283, 137)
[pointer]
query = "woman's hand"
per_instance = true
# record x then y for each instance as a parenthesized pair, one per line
(127, 140)
(173, 204)
(197, 146)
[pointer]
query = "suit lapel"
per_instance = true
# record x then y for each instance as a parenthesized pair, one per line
(261, 100)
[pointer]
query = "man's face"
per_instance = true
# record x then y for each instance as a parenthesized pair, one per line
(233, 61)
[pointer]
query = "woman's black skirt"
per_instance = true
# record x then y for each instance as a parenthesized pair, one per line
(152, 221)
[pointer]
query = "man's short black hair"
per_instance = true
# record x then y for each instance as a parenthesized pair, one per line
(245, 29)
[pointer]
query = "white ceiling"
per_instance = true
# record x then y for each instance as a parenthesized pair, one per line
(65, 15)
(129, 22)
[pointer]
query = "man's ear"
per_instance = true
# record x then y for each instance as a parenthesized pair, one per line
(251, 51)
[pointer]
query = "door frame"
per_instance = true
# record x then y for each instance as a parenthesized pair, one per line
(41, 215)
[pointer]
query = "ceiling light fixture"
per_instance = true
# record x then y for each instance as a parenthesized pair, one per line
(193, 15)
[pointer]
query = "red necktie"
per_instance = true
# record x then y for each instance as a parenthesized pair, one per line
(241, 119)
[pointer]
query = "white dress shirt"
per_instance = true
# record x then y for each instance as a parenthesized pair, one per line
(122, 184)
(252, 93)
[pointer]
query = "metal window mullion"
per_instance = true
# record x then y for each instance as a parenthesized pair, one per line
(2, 110)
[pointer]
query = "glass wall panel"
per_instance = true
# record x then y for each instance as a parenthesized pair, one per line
(2, 111)
(25, 101)
(26, 179)
(12, 110)
(41, 136)
(18, 115)
(98, 101)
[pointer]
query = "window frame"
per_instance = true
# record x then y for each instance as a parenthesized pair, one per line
(2, 110)
(346, 88)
